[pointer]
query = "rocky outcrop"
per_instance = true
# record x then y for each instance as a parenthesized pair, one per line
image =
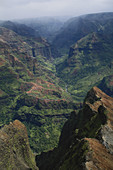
(98, 157)
(15, 152)
(101, 150)
(86, 141)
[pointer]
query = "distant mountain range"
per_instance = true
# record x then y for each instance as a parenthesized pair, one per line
(46, 26)
(78, 27)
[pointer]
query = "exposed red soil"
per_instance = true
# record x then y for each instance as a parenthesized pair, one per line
(99, 157)
(1, 92)
(2, 62)
(111, 83)
(19, 126)
(41, 88)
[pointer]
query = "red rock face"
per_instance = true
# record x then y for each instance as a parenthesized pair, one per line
(100, 151)
(98, 157)
(104, 100)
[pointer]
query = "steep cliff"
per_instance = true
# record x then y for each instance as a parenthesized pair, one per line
(86, 141)
(15, 152)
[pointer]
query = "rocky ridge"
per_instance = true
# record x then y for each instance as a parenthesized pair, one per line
(86, 138)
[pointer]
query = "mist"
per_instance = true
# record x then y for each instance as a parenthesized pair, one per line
(18, 9)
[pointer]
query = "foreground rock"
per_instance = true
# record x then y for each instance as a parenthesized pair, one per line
(15, 152)
(86, 140)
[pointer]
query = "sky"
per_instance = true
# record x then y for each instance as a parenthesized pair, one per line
(18, 9)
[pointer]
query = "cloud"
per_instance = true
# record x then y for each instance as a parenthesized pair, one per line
(12, 3)
(10, 9)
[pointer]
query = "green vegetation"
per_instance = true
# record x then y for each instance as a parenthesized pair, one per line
(73, 149)
(30, 91)
(89, 61)
(44, 125)
(41, 89)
